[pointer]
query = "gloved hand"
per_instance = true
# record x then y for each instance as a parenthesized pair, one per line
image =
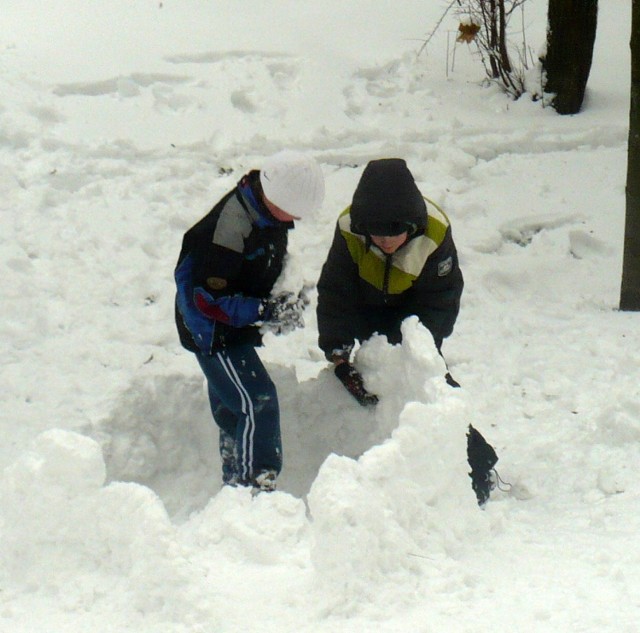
(350, 377)
(282, 313)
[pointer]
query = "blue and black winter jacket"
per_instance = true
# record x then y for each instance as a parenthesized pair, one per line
(228, 264)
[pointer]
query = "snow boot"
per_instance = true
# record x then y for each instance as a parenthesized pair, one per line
(265, 481)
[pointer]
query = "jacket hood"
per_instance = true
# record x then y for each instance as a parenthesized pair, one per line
(387, 200)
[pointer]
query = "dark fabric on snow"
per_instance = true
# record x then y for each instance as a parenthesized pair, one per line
(482, 458)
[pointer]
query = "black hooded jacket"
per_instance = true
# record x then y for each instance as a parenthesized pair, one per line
(362, 290)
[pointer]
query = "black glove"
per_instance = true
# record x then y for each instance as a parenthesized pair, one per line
(283, 313)
(349, 376)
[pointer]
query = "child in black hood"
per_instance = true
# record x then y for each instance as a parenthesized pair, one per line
(392, 257)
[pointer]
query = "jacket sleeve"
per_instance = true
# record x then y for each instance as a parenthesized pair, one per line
(435, 296)
(236, 310)
(200, 310)
(217, 266)
(337, 299)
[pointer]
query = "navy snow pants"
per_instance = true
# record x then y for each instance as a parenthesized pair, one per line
(244, 404)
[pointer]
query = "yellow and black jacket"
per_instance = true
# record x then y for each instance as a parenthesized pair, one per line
(362, 290)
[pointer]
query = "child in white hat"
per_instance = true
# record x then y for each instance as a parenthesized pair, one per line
(228, 265)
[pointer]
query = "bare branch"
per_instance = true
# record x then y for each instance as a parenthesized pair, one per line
(437, 26)
(490, 19)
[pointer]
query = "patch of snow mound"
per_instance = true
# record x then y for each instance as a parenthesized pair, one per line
(268, 529)
(161, 434)
(319, 418)
(583, 245)
(409, 497)
(62, 461)
(87, 544)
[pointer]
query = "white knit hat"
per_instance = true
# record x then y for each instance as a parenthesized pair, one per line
(293, 181)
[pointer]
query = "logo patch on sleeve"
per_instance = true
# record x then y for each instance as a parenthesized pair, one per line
(216, 283)
(445, 266)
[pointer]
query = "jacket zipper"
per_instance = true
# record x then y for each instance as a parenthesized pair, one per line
(387, 273)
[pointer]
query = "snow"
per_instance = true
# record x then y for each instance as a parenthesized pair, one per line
(121, 124)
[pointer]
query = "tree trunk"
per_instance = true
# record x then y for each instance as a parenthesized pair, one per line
(492, 38)
(571, 34)
(630, 291)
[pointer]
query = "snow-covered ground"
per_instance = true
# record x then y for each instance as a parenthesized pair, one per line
(121, 123)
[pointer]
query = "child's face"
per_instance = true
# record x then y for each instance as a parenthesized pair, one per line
(389, 243)
(277, 212)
